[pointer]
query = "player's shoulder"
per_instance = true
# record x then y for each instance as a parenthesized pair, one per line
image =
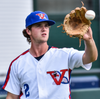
(19, 57)
(64, 49)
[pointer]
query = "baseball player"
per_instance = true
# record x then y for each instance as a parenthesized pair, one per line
(43, 71)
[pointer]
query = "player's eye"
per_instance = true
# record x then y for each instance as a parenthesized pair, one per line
(38, 25)
(47, 25)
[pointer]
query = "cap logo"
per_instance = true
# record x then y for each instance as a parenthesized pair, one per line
(41, 16)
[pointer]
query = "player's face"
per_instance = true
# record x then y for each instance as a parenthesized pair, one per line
(39, 32)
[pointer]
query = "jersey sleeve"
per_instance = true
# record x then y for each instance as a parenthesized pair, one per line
(12, 83)
(75, 60)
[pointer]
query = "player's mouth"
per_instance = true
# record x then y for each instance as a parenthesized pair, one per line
(44, 34)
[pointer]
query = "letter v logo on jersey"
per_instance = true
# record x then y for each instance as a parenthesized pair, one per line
(59, 77)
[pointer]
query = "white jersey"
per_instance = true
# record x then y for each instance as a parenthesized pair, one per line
(48, 78)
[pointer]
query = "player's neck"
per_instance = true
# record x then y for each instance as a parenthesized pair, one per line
(38, 50)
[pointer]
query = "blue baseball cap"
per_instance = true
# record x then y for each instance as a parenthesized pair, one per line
(36, 17)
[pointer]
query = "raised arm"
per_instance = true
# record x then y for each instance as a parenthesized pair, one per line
(91, 52)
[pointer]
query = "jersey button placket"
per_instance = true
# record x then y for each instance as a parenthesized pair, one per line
(41, 82)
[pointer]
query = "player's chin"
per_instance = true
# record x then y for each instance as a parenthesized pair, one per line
(43, 40)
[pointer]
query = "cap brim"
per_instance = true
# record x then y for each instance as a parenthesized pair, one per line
(51, 22)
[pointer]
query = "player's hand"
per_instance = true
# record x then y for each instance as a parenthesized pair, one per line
(88, 35)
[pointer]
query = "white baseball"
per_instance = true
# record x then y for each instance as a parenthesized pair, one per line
(90, 15)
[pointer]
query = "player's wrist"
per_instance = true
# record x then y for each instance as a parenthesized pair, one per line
(89, 43)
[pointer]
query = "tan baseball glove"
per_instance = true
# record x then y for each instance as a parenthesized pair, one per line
(75, 24)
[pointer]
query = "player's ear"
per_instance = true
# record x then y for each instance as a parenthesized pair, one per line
(28, 31)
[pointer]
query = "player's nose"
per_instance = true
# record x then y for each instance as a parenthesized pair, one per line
(44, 27)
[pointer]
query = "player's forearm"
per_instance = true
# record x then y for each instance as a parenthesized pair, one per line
(11, 96)
(91, 52)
